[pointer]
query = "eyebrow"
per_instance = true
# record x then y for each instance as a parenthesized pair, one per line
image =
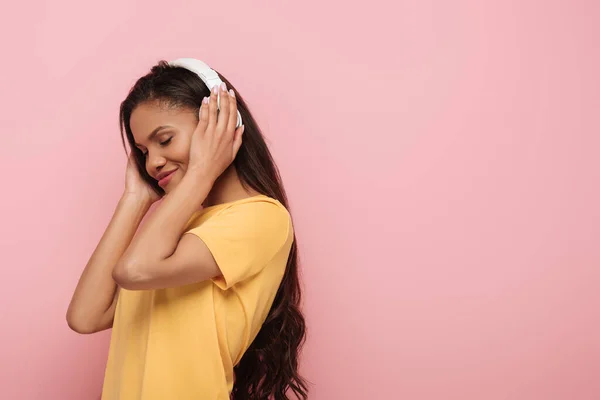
(155, 132)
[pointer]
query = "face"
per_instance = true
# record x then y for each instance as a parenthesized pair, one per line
(163, 134)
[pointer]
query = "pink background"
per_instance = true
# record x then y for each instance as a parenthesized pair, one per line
(441, 160)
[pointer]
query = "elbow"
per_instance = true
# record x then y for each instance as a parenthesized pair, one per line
(80, 325)
(128, 275)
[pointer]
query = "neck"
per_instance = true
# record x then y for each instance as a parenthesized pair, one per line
(228, 187)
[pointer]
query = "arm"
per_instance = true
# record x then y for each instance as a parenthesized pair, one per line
(159, 257)
(93, 303)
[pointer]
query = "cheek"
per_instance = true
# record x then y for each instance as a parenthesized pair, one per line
(183, 150)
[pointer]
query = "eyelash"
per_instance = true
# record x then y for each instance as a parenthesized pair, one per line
(163, 144)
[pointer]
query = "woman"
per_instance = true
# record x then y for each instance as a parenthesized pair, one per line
(204, 299)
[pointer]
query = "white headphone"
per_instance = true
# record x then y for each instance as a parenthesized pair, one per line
(207, 74)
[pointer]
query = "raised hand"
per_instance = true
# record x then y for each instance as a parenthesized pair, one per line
(216, 141)
(135, 184)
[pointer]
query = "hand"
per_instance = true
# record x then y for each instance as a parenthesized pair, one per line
(136, 186)
(215, 141)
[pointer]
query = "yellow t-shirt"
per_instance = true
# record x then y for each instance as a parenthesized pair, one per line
(182, 343)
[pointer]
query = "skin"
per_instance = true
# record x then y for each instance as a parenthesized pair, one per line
(200, 151)
(169, 150)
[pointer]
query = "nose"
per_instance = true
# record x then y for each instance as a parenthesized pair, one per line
(154, 163)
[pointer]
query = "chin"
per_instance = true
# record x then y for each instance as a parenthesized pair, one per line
(169, 188)
(172, 185)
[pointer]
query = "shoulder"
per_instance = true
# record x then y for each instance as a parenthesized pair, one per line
(256, 215)
(257, 208)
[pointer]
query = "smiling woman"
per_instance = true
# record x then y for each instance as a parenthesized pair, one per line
(204, 298)
(165, 142)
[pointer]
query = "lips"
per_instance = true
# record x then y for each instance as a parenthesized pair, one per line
(164, 177)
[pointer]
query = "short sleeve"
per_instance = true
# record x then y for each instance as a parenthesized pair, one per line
(243, 238)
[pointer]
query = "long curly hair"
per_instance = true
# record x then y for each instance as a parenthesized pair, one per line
(269, 367)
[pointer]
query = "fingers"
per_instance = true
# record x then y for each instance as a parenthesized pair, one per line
(237, 140)
(231, 124)
(204, 113)
(212, 107)
(224, 111)
(222, 117)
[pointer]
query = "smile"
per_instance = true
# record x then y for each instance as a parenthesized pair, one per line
(165, 178)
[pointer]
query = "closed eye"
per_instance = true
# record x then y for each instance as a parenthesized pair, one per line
(163, 144)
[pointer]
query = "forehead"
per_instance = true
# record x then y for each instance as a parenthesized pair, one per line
(148, 116)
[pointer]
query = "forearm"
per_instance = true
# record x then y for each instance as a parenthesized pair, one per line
(158, 238)
(96, 288)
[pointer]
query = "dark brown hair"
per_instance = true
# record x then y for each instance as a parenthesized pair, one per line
(269, 368)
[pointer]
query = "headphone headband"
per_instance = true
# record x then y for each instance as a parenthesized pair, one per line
(207, 74)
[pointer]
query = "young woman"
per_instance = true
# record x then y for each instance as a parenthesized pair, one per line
(204, 299)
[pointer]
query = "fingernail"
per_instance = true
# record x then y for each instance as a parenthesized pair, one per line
(231, 92)
(205, 100)
(215, 89)
(243, 128)
(223, 86)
